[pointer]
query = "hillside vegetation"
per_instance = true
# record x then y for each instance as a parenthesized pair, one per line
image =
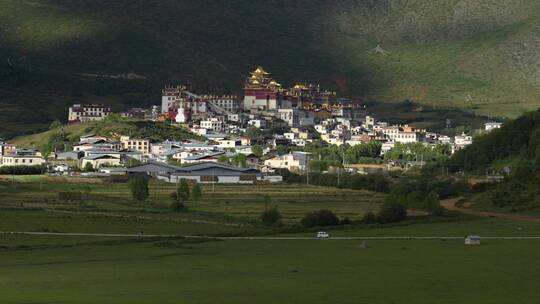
(516, 144)
(514, 152)
(480, 56)
(60, 137)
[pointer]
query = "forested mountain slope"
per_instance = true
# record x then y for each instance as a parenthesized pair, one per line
(480, 56)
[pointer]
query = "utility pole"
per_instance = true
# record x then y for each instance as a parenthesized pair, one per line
(307, 169)
(176, 187)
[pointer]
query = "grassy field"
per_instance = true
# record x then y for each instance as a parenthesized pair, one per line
(74, 270)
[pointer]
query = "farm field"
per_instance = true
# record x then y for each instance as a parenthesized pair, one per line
(233, 203)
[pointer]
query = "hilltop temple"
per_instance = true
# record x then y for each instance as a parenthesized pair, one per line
(261, 91)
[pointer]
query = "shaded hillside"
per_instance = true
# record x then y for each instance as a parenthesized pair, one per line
(477, 55)
(513, 152)
(516, 144)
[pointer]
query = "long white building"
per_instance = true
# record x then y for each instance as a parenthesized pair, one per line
(82, 113)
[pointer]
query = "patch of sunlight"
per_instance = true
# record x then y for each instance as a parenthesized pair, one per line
(41, 27)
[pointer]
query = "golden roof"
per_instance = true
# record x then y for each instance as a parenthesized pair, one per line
(274, 83)
(260, 71)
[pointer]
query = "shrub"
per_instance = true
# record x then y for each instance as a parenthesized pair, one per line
(369, 218)
(270, 216)
(196, 192)
(88, 167)
(55, 124)
(70, 196)
(310, 220)
(345, 221)
(178, 207)
(392, 212)
(327, 218)
(139, 188)
(431, 204)
(321, 218)
(118, 178)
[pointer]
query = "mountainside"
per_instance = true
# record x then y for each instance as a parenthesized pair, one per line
(480, 56)
(513, 152)
(515, 145)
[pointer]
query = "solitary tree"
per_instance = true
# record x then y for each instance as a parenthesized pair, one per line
(196, 192)
(139, 188)
(270, 216)
(432, 205)
(182, 192)
(369, 218)
(392, 212)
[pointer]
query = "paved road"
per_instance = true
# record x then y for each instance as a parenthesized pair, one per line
(262, 237)
(450, 204)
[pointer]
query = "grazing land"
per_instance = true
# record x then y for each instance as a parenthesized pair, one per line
(89, 270)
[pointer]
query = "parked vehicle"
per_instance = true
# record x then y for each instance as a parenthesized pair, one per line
(323, 235)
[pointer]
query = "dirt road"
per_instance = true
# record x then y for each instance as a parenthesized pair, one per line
(450, 204)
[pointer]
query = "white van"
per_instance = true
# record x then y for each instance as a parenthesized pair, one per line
(323, 235)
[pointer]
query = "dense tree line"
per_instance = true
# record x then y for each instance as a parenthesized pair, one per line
(22, 170)
(372, 182)
(517, 139)
(424, 192)
(323, 157)
(418, 152)
(517, 192)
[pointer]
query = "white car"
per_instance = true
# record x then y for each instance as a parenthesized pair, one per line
(323, 235)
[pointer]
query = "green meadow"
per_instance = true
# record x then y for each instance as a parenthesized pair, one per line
(91, 269)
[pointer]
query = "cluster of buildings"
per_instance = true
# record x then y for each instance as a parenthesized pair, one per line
(291, 116)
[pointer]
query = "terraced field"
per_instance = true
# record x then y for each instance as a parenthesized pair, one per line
(234, 202)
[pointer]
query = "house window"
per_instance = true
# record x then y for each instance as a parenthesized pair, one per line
(30, 161)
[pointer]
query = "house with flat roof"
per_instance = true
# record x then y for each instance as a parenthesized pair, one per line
(203, 173)
(101, 160)
(21, 160)
(217, 173)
